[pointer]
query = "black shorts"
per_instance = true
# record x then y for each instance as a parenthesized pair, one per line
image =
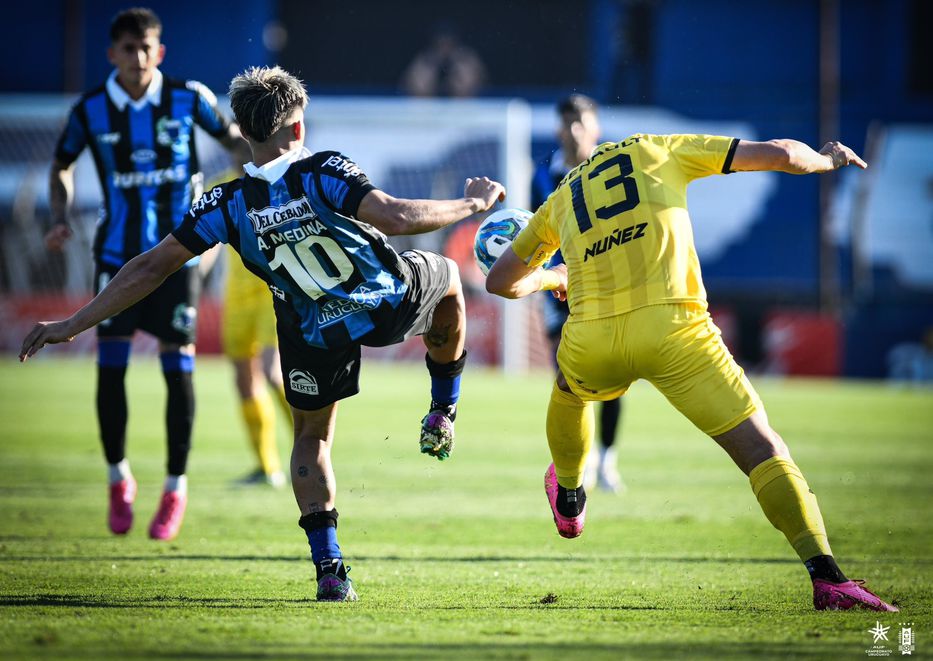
(169, 313)
(315, 377)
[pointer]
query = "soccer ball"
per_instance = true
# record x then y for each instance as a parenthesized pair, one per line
(496, 233)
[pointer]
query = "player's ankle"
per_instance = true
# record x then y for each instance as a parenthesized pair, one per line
(570, 502)
(824, 568)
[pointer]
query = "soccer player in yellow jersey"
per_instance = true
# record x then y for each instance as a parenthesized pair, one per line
(638, 310)
(249, 342)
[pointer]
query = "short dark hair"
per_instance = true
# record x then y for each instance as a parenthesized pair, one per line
(134, 21)
(262, 98)
(576, 105)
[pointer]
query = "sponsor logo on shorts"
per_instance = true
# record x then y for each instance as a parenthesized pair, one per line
(184, 318)
(302, 382)
(271, 217)
(361, 298)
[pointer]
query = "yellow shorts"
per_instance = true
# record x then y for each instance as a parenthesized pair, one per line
(248, 323)
(677, 347)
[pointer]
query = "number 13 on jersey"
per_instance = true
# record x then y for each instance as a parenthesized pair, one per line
(624, 179)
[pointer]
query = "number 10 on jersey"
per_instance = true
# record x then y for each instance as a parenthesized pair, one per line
(315, 264)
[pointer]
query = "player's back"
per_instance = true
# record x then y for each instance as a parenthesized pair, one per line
(622, 222)
(332, 275)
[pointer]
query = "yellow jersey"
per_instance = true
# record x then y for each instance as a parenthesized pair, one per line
(620, 221)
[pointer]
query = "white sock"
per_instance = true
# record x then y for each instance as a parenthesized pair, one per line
(177, 483)
(119, 471)
(608, 457)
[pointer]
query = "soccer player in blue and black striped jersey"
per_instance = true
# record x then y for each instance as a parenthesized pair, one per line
(139, 127)
(314, 228)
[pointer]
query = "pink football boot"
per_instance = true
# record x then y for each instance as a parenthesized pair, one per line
(568, 527)
(168, 518)
(829, 596)
(122, 495)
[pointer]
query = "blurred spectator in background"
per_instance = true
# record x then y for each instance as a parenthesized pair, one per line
(578, 135)
(446, 68)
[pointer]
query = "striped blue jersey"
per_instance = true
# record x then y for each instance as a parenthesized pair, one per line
(145, 156)
(331, 274)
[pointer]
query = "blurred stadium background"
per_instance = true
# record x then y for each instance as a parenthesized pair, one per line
(812, 276)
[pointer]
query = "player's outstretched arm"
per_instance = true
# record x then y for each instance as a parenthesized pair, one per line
(793, 157)
(510, 277)
(133, 282)
(393, 216)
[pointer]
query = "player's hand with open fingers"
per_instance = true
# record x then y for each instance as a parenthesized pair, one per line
(485, 190)
(841, 155)
(45, 332)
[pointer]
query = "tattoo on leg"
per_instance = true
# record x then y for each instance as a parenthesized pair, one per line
(438, 336)
(315, 507)
(302, 471)
(322, 480)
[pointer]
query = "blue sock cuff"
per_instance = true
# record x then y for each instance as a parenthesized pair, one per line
(445, 379)
(175, 361)
(323, 542)
(113, 353)
(445, 390)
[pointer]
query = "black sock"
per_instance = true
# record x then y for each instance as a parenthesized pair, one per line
(609, 414)
(179, 417)
(570, 502)
(824, 567)
(332, 566)
(112, 412)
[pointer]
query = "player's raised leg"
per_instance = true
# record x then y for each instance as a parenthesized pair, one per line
(113, 354)
(791, 507)
(445, 360)
(570, 426)
(315, 490)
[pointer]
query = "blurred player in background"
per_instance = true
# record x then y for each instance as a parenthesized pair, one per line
(248, 335)
(313, 227)
(248, 327)
(139, 127)
(578, 136)
(638, 310)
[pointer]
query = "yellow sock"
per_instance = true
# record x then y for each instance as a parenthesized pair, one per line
(790, 506)
(259, 414)
(570, 425)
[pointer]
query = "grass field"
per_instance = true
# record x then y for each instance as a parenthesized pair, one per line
(460, 559)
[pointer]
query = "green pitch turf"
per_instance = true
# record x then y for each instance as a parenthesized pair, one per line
(457, 559)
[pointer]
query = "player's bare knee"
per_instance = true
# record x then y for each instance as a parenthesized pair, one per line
(455, 288)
